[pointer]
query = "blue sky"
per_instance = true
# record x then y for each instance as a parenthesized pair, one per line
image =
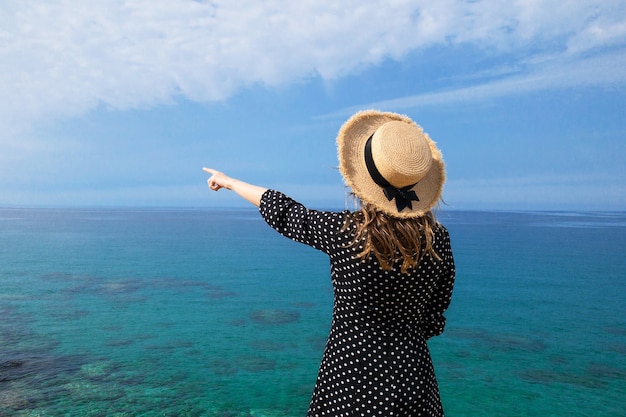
(121, 103)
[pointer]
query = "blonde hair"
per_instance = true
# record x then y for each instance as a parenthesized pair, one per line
(391, 239)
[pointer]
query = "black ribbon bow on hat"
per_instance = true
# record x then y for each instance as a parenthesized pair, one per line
(403, 195)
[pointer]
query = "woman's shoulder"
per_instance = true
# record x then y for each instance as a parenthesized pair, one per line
(440, 227)
(441, 232)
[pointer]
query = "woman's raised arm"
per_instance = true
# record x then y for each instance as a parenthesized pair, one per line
(249, 192)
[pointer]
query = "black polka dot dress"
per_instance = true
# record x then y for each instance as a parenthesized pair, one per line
(376, 361)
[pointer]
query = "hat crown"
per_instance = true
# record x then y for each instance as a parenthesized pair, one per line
(401, 153)
(374, 145)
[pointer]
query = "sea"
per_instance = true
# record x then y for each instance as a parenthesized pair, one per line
(209, 312)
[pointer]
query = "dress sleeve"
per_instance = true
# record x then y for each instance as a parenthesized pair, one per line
(318, 229)
(434, 320)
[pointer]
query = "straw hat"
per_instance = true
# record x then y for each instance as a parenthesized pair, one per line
(388, 161)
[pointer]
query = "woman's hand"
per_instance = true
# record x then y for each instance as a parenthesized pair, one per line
(218, 179)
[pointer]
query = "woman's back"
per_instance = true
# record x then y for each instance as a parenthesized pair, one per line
(376, 352)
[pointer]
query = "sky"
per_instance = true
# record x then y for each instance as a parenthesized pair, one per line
(120, 103)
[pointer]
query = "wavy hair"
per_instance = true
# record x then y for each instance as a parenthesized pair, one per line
(390, 239)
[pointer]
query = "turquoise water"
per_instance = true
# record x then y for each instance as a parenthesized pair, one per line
(211, 313)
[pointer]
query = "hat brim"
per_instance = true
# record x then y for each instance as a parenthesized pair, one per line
(351, 147)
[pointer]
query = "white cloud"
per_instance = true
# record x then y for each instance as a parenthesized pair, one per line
(66, 57)
(557, 72)
(605, 30)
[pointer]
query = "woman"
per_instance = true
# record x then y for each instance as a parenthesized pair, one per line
(391, 267)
